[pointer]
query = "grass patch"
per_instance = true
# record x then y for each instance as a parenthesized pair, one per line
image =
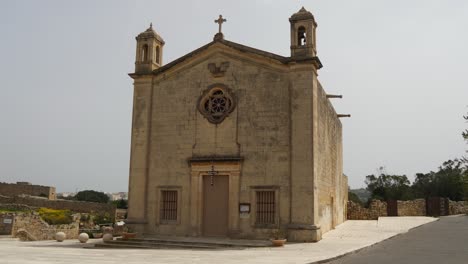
(9, 210)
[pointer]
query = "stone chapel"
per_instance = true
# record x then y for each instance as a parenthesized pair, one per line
(232, 141)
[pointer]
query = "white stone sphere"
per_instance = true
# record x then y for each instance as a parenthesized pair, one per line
(60, 236)
(107, 237)
(83, 237)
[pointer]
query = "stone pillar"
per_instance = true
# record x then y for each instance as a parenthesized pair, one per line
(139, 155)
(304, 199)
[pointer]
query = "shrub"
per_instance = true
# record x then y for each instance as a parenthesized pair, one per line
(55, 217)
(102, 219)
(92, 196)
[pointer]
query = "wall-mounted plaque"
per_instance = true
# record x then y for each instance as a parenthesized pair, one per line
(244, 208)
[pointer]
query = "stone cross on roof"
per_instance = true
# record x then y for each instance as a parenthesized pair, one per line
(220, 21)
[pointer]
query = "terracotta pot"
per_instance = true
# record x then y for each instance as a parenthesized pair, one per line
(97, 235)
(278, 242)
(126, 236)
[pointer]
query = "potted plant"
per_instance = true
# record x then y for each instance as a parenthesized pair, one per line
(279, 238)
(128, 233)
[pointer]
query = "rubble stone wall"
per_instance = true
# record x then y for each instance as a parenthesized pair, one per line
(357, 212)
(415, 207)
(460, 207)
(40, 230)
(412, 208)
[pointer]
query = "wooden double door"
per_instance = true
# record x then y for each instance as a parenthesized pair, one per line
(215, 205)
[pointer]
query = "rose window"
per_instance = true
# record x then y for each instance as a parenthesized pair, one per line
(216, 104)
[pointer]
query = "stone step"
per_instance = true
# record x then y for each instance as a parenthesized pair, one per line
(183, 242)
(153, 244)
(205, 242)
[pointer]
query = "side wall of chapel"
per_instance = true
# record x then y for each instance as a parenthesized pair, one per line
(331, 184)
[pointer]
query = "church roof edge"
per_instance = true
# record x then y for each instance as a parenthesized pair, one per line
(239, 47)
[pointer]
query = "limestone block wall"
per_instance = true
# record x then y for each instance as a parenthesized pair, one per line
(331, 184)
(40, 230)
(357, 212)
(13, 189)
(412, 208)
(257, 130)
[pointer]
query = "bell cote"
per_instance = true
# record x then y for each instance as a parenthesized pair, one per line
(303, 25)
(149, 51)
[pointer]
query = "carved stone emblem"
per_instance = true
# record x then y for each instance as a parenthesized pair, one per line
(218, 71)
(216, 103)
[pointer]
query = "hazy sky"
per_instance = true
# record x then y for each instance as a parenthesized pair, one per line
(66, 98)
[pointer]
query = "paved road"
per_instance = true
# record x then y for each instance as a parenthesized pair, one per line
(444, 241)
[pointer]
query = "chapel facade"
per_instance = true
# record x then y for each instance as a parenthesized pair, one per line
(232, 141)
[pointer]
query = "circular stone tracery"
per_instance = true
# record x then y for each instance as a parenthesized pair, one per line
(216, 103)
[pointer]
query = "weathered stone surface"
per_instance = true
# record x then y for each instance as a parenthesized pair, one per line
(24, 235)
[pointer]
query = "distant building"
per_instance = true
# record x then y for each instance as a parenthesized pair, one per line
(19, 188)
(118, 196)
(66, 194)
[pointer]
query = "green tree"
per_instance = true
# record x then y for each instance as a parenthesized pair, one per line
(121, 204)
(424, 185)
(451, 180)
(389, 187)
(354, 198)
(92, 196)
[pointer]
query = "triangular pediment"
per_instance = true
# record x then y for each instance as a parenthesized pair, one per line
(228, 49)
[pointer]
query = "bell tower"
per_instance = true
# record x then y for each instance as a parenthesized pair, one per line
(149, 51)
(303, 25)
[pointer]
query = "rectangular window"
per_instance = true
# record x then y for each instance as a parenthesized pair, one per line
(168, 206)
(265, 211)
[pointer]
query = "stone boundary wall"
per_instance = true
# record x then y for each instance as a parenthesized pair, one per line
(15, 207)
(412, 208)
(357, 212)
(40, 230)
(415, 207)
(75, 206)
(14, 189)
(460, 207)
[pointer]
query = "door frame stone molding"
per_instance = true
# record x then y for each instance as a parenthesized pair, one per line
(200, 167)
